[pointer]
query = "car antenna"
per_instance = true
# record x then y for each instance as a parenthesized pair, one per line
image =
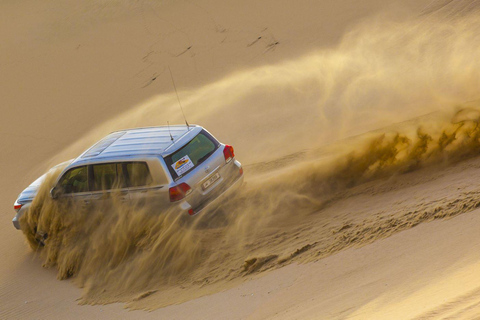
(179, 103)
(168, 125)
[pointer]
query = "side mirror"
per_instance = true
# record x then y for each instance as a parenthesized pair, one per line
(55, 192)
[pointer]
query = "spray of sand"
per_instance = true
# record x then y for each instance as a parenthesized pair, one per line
(123, 252)
(382, 73)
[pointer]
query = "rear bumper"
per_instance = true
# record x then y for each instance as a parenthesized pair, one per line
(185, 206)
(233, 188)
(230, 191)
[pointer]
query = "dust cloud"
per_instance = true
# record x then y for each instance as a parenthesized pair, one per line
(308, 131)
(383, 72)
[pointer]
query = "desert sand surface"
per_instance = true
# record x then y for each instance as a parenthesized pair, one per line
(357, 123)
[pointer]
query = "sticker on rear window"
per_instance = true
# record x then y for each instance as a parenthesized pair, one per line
(182, 165)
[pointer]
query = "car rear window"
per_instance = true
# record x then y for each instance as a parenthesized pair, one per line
(184, 160)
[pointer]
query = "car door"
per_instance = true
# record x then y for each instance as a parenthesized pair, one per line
(147, 188)
(73, 188)
(108, 185)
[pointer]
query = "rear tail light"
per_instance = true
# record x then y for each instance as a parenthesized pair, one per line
(228, 153)
(179, 192)
(191, 212)
(240, 171)
(17, 206)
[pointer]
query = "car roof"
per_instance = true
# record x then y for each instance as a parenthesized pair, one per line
(139, 142)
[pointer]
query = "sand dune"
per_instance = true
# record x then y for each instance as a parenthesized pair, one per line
(355, 122)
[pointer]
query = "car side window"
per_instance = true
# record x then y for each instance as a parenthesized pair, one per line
(138, 174)
(75, 180)
(108, 176)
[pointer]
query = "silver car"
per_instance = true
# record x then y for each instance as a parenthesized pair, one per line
(174, 167)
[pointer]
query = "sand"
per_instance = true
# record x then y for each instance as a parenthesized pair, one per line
(295, 88)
